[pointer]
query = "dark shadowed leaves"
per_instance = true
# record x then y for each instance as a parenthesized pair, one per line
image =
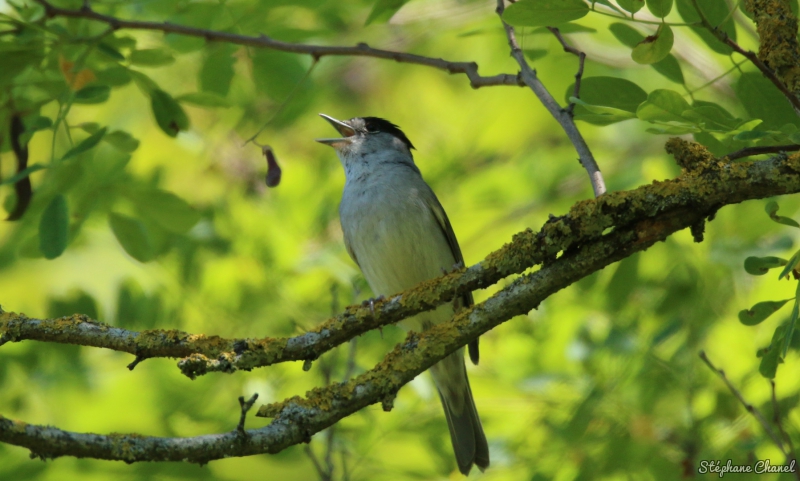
(86, 144)
(133, 236)
(54, 228)
(170, 116)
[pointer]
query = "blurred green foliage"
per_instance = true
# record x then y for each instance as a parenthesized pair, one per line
(150, 212)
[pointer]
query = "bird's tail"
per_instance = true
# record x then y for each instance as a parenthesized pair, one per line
(466, 432)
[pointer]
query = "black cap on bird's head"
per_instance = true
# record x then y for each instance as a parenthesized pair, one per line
(363, 126)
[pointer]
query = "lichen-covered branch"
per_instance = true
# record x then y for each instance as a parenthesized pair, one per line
(664, 208)
(470, 69)
(706, 183)
(775, 52)
(778, 44)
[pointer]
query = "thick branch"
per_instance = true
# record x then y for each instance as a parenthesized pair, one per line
(778, 44)
(752, 57)
(470, 69)
(667, 207)
(705, 184)
(562, 116)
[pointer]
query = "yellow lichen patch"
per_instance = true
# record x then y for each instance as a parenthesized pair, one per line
(777, 31)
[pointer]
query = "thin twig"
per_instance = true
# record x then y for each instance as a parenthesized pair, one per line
(748, 407)
(770, 149)
(768, 72)
(245, 406)
(778, 422)
(562, 116)
(470, 69)
(581, 60)
(320, 470)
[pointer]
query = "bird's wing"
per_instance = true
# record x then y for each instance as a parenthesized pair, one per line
(441, 217)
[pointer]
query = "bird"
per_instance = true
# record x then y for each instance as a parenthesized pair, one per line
(397, 232)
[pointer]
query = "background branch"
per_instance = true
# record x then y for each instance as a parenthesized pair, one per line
(470, 69)
(562, 116)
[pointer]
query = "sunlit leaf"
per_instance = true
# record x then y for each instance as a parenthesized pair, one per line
(659, 8)
(668, 67)
(539, 13)
(758, 266)
(759, 312)
(663, 105)
(790, 265)
(654, 48)
(772, 211)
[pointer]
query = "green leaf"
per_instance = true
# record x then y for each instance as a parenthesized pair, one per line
(762, 100)
(611, 92)
(659, 8)
(110, 51)
(790, 265)
(758, 266)
(769, 363)
(122, 141)
(629, 36)
(534, 54)
(54, 228)
(383, 10)
(169, 114)
(613, 99)
(145, 83)
(540, 13)
(166, 209)
(664, 106)
(792, 322)
(151, 57)
(216, 72)
(114, 76)
(717, 13)
(133, 236)
(654, 48)
(204, 99)
(93, 94)
(277, 73)
(631, 6)
(86, 144)
(750, 135)
(22, 174)
(565, 28)
(772, 211)
(759, 312)
(712, 115)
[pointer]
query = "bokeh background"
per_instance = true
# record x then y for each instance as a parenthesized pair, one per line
(603, 381)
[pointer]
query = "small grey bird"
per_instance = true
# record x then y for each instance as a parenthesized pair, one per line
(397, 232)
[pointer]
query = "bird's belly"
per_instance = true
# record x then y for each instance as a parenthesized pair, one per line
(399, 244)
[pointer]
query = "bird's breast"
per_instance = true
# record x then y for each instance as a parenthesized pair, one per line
(393, 235)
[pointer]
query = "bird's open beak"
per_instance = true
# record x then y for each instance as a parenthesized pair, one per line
(342, 128)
